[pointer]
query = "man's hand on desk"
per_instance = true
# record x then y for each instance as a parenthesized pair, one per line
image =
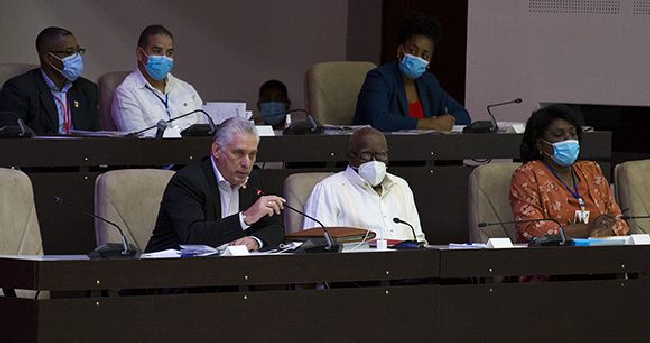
(248, 241)
(443, 122)
(269, 205)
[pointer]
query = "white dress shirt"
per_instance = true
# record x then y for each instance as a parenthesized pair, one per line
(138, 105)
(229, 199)
(345, 199)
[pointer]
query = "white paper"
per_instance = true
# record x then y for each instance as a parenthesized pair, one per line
(169, 253)
(264, 130)
(220, 111)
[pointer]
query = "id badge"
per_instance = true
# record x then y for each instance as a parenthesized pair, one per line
(581, 217)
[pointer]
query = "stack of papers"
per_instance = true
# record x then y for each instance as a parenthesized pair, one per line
(185, 251)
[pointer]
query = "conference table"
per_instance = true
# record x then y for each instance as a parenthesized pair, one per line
(435, 294)
(432, 164)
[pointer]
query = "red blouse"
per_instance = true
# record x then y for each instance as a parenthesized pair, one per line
(415, 110)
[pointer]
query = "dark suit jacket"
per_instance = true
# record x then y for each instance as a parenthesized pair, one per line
(382, 100)
(190, 212)
(29, 98)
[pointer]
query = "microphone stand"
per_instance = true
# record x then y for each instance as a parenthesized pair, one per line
(494, 119)
(123, 249)
(408, 243)
(546, 240)
(162, 124)
(332, 245)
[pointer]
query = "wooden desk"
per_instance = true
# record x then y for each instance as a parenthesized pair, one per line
(431, 163)
(428, 295)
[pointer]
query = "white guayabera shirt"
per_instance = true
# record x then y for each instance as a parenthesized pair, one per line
(138, 105)
(345, 199)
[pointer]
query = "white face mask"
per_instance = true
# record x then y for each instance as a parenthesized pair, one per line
(373, 171)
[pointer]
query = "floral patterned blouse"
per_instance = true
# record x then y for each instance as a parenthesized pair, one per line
(536, 192)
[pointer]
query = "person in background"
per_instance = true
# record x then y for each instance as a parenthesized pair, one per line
(365, 195)
(151, 93)
(553, 184)
(215, 201)
(404, 94)
(273, 103)
(53, 99)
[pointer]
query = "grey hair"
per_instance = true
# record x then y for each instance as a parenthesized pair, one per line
(232, 127)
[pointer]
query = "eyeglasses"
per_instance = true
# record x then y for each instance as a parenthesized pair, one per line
(68, 53)
(377, 156)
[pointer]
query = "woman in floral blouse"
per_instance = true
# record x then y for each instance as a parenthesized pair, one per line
(552, 184)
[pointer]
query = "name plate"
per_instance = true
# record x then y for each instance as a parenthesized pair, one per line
(501, 242)
(639, 239)
(236, 250)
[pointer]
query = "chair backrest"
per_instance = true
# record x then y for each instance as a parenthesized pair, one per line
(633, 192)
(489, 188)
(131, 199)
(106, 85)
(332, 88)
(20, 233)
(297, 188)
(9, 70)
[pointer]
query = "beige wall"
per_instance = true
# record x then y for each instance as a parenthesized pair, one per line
(591, 52)
(226, 49)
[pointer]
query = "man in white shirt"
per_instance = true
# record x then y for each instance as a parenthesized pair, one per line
(365, 195)
(150, 93)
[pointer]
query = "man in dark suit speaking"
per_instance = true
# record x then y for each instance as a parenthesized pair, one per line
(52, 99)
(216, 200)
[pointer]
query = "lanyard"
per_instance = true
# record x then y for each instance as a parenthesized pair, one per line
(164, 101)
(574, 192)
(67, 120)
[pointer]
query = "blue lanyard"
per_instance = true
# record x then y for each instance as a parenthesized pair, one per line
(574, 192)
(164, 101)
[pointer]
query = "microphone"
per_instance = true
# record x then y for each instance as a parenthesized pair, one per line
(633, 217)
(201, 129)
(489, 126)
(408, 243)
(19, 129)
(546, 240)
(494, 119)
(332, 246)
(310, 126)
(123, 249)
(159, 125)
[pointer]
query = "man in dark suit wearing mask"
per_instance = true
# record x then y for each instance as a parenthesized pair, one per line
(52, 99)
(216, 201)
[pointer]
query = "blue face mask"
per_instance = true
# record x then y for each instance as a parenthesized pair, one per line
(73, 66)
(158, 66)
(565, 152)
(412, 67)
(273, 113)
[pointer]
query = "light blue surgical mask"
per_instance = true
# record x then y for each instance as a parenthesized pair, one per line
(412, 67)
(273, 113)
(73, 66)
(565, 153)
(158, 66)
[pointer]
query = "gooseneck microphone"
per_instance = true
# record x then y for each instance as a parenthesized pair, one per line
(310, 126)
(123, 249)
(633, 217)
(161, 125)
(494, 119)
(408, 243)
(546, 240)
(332, 245)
